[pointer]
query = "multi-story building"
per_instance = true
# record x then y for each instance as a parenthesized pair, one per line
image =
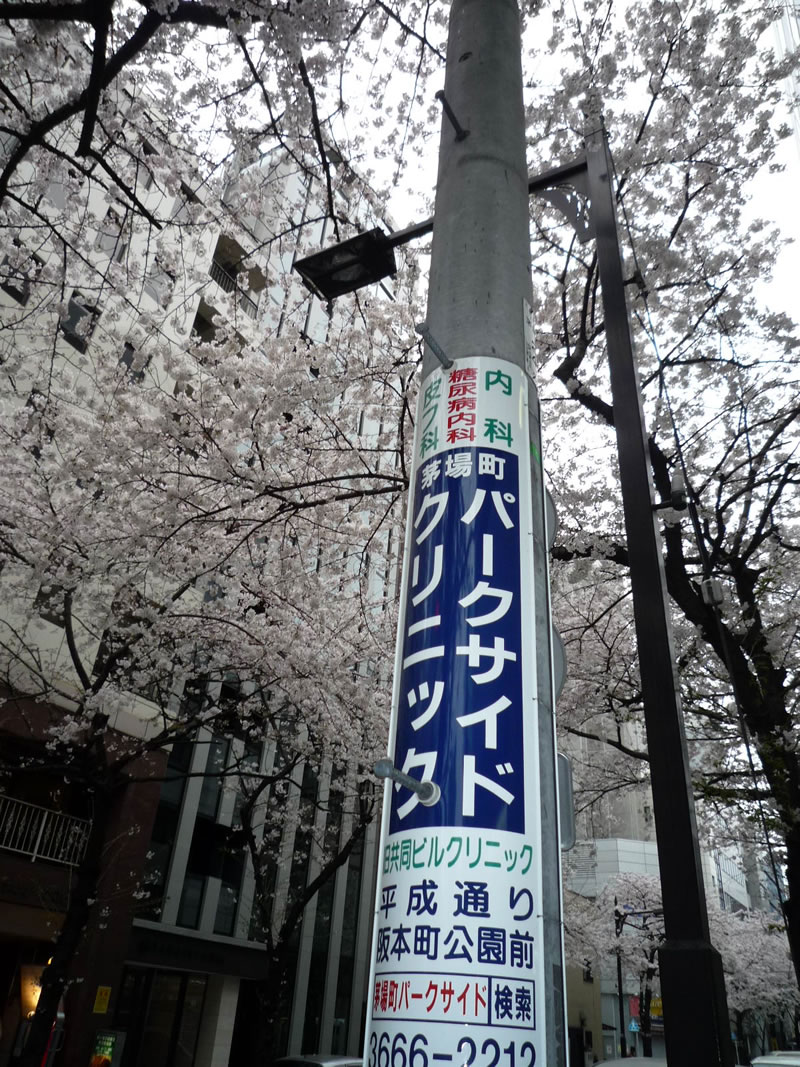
(787, 33)
(164, 966)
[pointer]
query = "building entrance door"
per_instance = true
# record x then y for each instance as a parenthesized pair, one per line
(160, 1012)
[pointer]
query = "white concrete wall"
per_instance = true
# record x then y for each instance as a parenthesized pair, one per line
(216, 1027)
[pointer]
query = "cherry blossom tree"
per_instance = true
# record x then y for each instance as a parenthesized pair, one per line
(626, 919)
(759, 978)
(689, 94)
(240, 74)
(320, 843)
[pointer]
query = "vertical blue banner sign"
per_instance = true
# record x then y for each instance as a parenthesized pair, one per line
(457, 969)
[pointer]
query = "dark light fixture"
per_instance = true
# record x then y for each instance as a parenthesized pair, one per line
(362, 260)
(348, 266)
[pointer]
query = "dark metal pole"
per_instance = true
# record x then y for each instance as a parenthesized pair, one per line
(623, 1048)
(619, 922)
(693, 987)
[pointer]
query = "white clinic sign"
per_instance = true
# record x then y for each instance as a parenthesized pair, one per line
(457, 967)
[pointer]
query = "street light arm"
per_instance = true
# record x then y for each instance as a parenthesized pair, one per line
(428, 792)
(411, 233)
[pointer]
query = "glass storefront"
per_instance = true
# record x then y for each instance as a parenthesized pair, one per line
(160, 1012)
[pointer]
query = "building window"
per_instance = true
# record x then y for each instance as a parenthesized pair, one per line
(215, 853)
(165, 827)
(17, 271)
(347, 948)
(186, 204)
(110, 238)
(134, 361)
(8, 142)
(191, 904)
(79, 322)
(211, 790)
(202, 327)
(57, 192)
(227, 271)
(233, 862)
(182, 389)
(149, 178)
(213, 591)
(159, 283)
(161, 1013)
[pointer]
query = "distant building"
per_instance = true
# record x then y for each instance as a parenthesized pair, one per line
(787, 31)
(618, 837)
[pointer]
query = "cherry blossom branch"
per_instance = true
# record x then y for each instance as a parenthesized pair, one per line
(125, 188)
(634, 753)
(293, 914)
(48, 12)
(101, 21)
(409, 30)
(38, 131)
(323, 155)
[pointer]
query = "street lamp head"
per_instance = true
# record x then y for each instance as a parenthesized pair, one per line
(343, 268)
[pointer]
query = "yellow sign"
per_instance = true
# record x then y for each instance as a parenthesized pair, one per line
(30, 986)
(656, 1011)
(101, 999)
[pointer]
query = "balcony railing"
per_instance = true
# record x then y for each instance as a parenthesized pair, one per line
(41, 833)
(227, 282)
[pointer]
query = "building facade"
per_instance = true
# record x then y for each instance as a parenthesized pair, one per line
(173, 948)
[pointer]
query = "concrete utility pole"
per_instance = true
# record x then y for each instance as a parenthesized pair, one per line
(479, 303)
(467, 964)
(480, 266)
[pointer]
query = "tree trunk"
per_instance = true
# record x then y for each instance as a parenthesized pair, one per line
(791, 906)
(644, 1014)
(740, 1038)
(274, 995)
(55, 977)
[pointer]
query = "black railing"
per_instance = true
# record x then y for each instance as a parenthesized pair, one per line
(225, 280)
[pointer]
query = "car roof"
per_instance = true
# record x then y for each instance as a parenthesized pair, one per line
(654, 1062)
(321, 1059)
